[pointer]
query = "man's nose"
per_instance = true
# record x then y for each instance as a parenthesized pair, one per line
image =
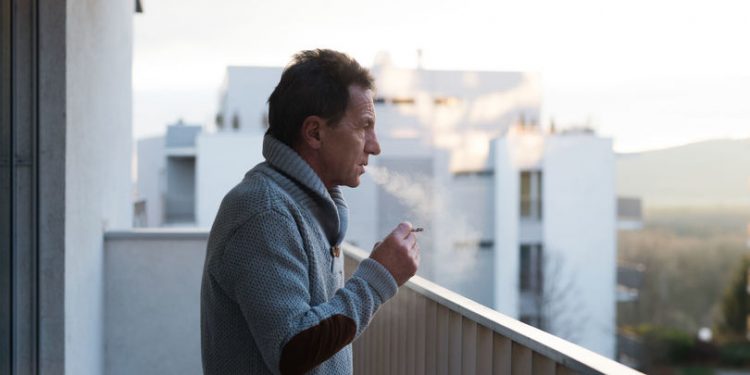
(372, 146)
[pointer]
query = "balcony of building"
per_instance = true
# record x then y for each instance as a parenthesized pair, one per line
(151, 326)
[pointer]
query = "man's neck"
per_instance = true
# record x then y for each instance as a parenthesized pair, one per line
(310, 157)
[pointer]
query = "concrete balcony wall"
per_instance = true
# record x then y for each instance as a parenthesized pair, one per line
(152, 301)
(152, 321)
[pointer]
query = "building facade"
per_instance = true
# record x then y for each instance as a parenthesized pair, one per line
(555, 234)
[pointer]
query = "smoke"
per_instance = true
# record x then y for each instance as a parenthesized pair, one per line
(454, 241)
(413, 192)
(426, 202)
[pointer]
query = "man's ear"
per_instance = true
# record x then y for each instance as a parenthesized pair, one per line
(311, 128)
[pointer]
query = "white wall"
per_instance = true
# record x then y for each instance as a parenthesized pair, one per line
(580, 226)
(223, 160)
(151, 177)
(98, 156)
(507, 200)
(153, 282)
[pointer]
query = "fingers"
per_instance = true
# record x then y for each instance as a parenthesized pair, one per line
(403, 230)
(399, 253)
(411, 240)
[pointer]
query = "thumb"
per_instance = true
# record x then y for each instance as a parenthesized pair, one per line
(402, 230)
(376, 245)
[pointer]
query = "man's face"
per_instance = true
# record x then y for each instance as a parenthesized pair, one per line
(346, 147)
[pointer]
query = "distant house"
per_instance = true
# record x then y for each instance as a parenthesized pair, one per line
(629, 213)
(166, 178)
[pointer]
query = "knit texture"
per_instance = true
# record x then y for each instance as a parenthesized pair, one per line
(269, 274)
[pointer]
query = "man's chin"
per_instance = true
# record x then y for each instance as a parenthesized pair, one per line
(354, 183)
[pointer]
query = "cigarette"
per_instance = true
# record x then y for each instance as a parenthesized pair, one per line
(417, 230)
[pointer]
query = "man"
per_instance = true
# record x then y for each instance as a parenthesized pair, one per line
(273, 298)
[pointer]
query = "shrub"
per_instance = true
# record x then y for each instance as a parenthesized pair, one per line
(735, 354)
(666, 345)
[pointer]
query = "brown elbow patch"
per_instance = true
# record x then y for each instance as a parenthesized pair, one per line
(314, 345)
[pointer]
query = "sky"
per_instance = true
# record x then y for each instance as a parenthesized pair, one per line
(649, 74)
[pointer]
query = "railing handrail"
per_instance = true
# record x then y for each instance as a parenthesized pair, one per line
(561, 351)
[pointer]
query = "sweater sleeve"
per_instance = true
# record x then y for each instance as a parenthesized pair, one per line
(265, 268)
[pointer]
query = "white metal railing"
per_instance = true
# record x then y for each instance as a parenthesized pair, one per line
(427, 329)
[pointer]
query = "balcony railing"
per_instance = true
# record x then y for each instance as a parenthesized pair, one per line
(152, 305)
(427, 329)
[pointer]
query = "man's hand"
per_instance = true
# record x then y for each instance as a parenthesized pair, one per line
(398, 253)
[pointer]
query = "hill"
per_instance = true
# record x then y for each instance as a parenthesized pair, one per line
(705, 174)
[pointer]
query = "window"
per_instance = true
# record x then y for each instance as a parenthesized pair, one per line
(474, 245)
(478, 173)
(446, 100)
(394, 100)
(530, 270)
(531, 195)
(219, 120)
(401, 101)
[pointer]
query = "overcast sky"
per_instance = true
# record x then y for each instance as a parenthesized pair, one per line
(649, 74)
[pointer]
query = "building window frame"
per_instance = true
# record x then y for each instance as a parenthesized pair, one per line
(530, 195)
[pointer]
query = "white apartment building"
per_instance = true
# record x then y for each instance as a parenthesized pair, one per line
(242, 102)
(166, 185)
(555, 234)
(183, 176)
(516, 219)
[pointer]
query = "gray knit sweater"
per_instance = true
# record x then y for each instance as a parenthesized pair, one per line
(273, 298)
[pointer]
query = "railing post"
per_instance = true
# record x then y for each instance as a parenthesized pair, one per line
(484, 350)
(542, 365)
(421, 335)
(521, 360)
(469, 344)
(431, 341)
(454, 338)
(501, 355)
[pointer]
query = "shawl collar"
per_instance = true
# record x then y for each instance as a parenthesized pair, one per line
(327, 205)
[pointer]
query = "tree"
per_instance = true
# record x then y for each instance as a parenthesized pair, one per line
(735, 304)
(561, 311)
